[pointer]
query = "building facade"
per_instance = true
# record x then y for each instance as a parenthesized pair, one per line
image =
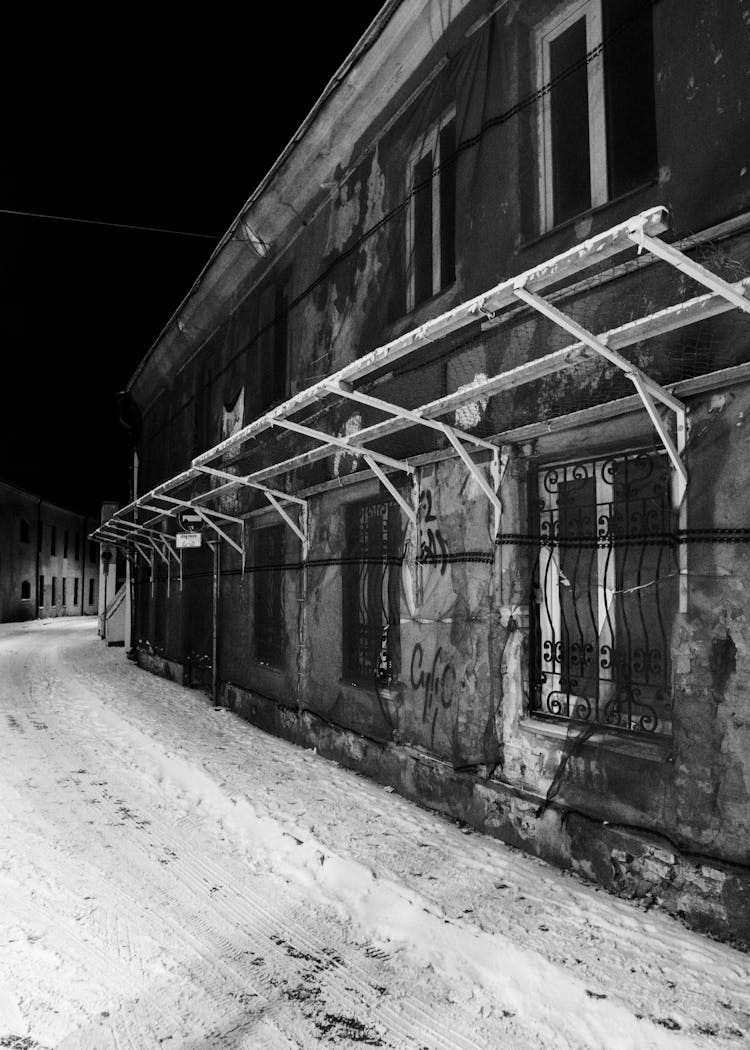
(48, 565)
(488, 547)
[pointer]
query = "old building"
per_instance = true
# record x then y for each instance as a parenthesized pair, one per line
(48, 566)
(459, 407)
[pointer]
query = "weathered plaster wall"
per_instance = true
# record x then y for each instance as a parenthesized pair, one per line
(665, 817)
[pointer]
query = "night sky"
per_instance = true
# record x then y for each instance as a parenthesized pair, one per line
(131, 123)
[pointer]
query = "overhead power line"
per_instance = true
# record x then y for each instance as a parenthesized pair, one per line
(115, 225)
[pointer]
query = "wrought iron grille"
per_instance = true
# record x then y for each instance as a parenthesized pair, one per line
(371, 589)
(605, 586)
(270, 627)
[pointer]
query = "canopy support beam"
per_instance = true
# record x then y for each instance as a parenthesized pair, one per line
(212, 524)
(274, 497)
(407, 507)
(332, 440)
(646, 388)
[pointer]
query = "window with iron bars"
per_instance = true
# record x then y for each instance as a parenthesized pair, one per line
(371, 576)
(269, 624)
(605, 592)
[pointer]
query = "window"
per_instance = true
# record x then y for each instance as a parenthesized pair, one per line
(64, 590)
(23, 531)
(53, 599)
(52, 540)
(25, 591)
(75, 591)
(65, 544)
(605, 592)
(91, 591)
(77, 546)
(597, 130)
(202, 418)
(92, 553)
(431, 226)
(371, 580)
(39, 537)
(41, 591)
(272, 347)
(269, 624)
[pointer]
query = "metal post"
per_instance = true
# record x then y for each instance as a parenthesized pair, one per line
(215, 545)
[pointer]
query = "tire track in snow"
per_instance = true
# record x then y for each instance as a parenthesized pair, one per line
(351, 980)
(110, 961)
(241, 977)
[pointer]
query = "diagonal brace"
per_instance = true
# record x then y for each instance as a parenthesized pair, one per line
(204, 515)
(407, 507)
(647, 388)
(668, 253)
(474, 470)
(287, 518)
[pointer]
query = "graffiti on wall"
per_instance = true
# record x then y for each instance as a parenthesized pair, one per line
(435, 679)
(433, 549)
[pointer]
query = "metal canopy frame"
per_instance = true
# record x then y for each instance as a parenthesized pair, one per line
(356, 381)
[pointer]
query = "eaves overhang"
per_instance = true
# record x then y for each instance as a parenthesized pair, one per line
(399, 39)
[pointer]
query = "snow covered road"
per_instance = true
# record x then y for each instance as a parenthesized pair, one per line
(171, 876)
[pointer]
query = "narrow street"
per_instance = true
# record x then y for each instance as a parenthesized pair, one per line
(171, 876)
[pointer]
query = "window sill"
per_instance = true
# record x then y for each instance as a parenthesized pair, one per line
(425, 311)
(590, 213)
(656, 750)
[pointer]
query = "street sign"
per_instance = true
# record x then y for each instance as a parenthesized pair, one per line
(189, 521)
(189, 539)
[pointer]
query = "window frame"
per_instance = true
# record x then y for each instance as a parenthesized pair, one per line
(355, 581)
(549, 673)
(429, 144)
(545, 33)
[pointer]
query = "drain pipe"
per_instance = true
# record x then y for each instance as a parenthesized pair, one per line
(216, 547)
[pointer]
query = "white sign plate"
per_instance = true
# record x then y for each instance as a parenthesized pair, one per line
(189, 539)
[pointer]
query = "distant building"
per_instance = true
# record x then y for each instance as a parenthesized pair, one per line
(48, 565)
(462, 402)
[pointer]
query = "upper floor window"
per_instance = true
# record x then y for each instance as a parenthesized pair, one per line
(597, 130)
(65, 544)
(23, 531)
(605, 592)
(269, 622)
(203, 434)
(371, 582)
(25, 591)
(273, 340)
(53, 540)
(77, 546)
(431, 224)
